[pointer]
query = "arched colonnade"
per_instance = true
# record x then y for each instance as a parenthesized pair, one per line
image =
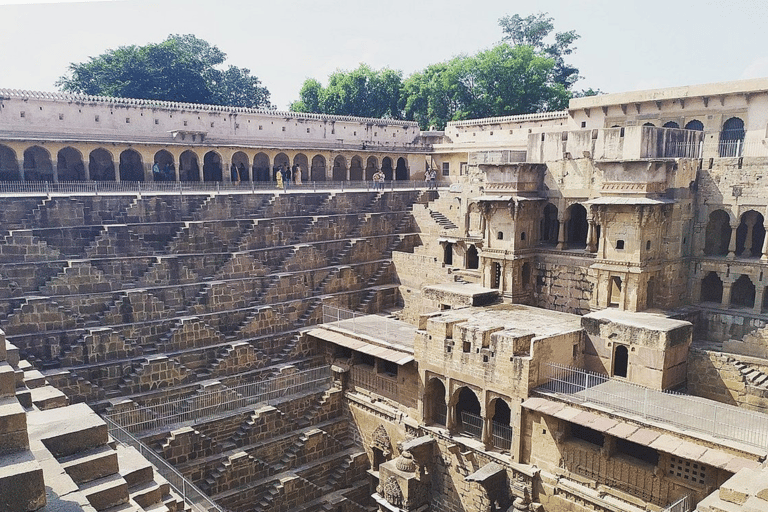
(92, 162)
(464, 409)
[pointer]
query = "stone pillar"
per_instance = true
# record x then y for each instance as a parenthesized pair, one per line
(764, 250)
(21, 169)
(591, 247)
(759, 292)
(55, 169)
(450, 417)
(732, 243)
(750, 222)
(116, 165)
(485, 437)
(726, 302)
(561, 244)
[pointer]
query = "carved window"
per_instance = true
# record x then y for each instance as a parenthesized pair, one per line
(687, 470)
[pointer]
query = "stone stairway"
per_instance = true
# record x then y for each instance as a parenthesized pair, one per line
(752, 375)
(442, 220)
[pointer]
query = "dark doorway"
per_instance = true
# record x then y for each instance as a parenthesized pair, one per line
(620, 361)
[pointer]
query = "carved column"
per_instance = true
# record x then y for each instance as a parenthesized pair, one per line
(726, 301)
(561, 244)
(485, 437)
(116, 165)
(55, 169)
(759, 292)
(750, 222)
(591, 235)
(732, 243)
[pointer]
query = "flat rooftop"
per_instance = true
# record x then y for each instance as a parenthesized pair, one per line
(541, 322)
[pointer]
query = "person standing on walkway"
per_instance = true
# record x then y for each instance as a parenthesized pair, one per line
(286, 177)
(298, 175)
(378, 180)
(279, 177)
(233, 173)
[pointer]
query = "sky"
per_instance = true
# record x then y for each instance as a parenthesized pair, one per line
(625, 45)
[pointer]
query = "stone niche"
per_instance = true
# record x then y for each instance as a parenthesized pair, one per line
(643, 348)
(404, 483)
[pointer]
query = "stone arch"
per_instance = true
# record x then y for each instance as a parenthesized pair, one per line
(301, 160)
(732, 138)
(131, 166)
(750, 234)
(164, 161)
(401, 171)
(648, 124)
(436, 409)
(339, 172)
(550, 225)
(381, 446)
(9, 165)
(37, 164)
(69, 164)
(718, 234)
(501, 416)
(212, 166)
(189, 168)
(318, 168)
(694, 124)
(261, 167)
(356, 169)
(671, 124)
(386, 167)
(101, 165)
(743, 292)
(371, 166)
(240, 159)
(280, 159)
(473, 260)
(577, 225)
(712, 288)
(448, 253)
(620, 360)
(468, 411)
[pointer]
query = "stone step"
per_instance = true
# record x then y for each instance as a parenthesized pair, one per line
(136, 470)
(146, 494)
(91, 464)
(106, 492)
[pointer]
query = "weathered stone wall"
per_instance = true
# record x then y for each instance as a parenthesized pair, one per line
(563, 284)
(729, 378)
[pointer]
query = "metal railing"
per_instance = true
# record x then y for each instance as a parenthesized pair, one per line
(501, 435)
(472, 424)
(372, 381)
(206, 404)
(715, 149)
(196, 187)
(684, 504)
(693, 413)
(335, 314)
(193, 496)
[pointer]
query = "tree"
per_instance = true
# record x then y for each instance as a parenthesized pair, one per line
(182, 68)
(532, 31)
(505, 80)
(362, 92)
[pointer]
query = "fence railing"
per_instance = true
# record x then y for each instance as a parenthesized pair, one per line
(206, 404)
(472, 424)
(196, 187)
(372, 381)
(193, 496)
(684, 504)
(501, 435)
(720, 420)
(335, 314)
(715, 149)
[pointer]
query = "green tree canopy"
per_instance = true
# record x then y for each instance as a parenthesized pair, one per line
(505, 80)
(362, 92)
(534, 31)
(182, 68)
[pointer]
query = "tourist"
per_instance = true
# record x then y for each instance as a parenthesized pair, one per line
(156, 171)
(286, 177)
(297, 174)
(432, 179)
(233, 173)
(378, 180)
(279, 177)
